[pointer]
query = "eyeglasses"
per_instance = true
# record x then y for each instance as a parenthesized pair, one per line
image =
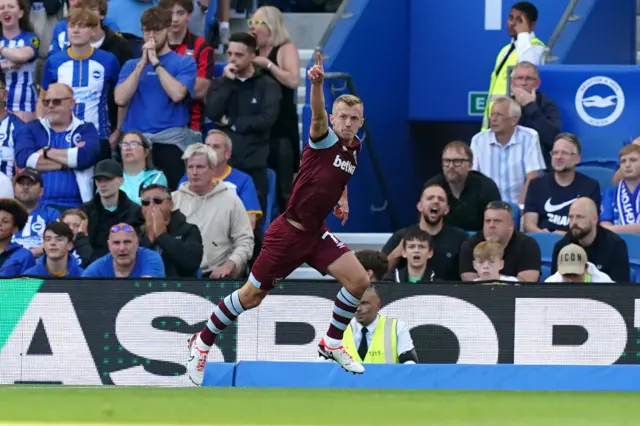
(499, 205)
(156, 200)
(457, 162)
(54, 101)
(130, 145)
(255, 22)
(563, 153)
(125, 228)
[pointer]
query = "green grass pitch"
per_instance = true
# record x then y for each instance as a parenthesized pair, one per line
(56, 405)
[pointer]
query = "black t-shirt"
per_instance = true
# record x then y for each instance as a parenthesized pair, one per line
(608, 253)
(467, 212)
(552, 201)
(446, 248)
(522, 253)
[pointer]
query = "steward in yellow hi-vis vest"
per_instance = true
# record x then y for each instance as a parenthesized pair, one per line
(384, 344)
(524, 46)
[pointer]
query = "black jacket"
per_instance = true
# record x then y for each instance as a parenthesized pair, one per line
(543, 116)
(429, 276)
(116, 44)
(101, 220)
(180, 247)
(252, 106)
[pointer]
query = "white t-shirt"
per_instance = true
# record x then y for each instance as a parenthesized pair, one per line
(502, 278)
(6, 186)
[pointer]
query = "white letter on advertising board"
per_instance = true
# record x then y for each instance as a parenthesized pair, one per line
(136, 333)
(477, 337)
(533, 334)
(70, 361)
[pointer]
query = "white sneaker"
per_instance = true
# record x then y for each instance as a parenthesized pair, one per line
(341, 356)
(197, 361)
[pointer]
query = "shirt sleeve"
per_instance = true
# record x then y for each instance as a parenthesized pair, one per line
(152, 265)
(126, 70)
(114, 70)
(392, 242)
(206, 62)
(466, 257)
(48, 77)
(327, 141)
(619, 267)
(95, 269)
(474, 150)
(249, 198)
(606, 209)
(405, 342)
(33, 41)
(533, 158)
(187, 74)
(530, 260)
(528, 51)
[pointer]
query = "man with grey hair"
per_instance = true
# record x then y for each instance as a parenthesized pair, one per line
(234, 178)
(506, 152)
(538, 111)
(217, 211)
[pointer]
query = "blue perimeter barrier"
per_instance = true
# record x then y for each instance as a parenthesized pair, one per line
(426, 376)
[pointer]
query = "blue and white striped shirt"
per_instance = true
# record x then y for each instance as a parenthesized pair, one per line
(90, 78)
(20, 82)
(9, 128)
(508, 165)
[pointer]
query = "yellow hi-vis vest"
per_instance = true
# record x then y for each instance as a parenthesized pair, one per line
(498, 86)
(384, 345)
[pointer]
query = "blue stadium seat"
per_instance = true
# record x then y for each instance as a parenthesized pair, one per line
(602, 151)
(546, 241)
(633, 245)
(271, 199)
(602, 174)
(516, 215)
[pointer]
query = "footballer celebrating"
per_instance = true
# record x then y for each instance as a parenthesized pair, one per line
(299, 235)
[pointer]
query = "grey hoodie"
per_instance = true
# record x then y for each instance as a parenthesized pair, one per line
(223, 223)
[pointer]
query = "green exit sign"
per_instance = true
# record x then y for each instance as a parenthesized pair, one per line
(477, 103)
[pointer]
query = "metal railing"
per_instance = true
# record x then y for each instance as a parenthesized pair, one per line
(388, 204)
(567, 17)
(332, 25)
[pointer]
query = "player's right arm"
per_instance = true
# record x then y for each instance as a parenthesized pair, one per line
(319, 119)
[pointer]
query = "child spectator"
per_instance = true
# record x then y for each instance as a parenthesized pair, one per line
(487, 261)
(416, 248)
(57, 261)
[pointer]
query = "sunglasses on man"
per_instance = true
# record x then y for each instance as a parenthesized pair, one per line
(155, 200)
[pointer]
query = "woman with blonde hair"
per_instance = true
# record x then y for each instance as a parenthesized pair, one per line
(279, 56)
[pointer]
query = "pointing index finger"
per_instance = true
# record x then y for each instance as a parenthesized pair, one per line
(318, 58)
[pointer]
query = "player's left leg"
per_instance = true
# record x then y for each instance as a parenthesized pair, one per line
(334, 257)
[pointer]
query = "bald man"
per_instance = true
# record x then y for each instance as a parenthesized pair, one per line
(63, 148)
(605, 249)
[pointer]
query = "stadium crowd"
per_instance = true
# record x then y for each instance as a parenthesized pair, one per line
(123, 155)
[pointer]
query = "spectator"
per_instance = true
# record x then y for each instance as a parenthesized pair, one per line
(604, 248)
(370, 339)
(109, 40)
(156, 89)
(60, 40)
(416, 249)
(6, 187)
(218, 212)
(125, 259)
(138, 167)
(184, 43)
(445, 240)
(28, 190)
(521, 252)
(89, 89)
(245, 102)
(57, 261)
(621, 204)
(538, 111)
(618, 176)
(507, 153)
(14, 259)
(10, 127)
(573, 267)
(18, 53)
(126, 14)
(524, 46)
(78, 221)
(375, 263)
(279, 56)
(234, 178)
(109, 207)
(546, 207)
(63, 148)
(488, 262)
(468, 191)
(167, 232)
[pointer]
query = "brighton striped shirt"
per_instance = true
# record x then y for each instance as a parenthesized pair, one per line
(9, 128)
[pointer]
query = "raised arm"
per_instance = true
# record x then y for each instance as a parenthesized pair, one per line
(319, 118)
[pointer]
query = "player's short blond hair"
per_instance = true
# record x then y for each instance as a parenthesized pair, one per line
(349, 100)
(488, 250)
